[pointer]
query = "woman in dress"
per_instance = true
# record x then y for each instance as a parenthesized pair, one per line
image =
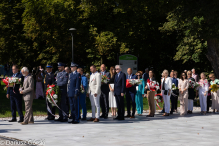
(39, 84)
(140, 93)
(166, 87)
(191, 93)
(214, 95)
(112, 99)
(203, 93)
(183, 94)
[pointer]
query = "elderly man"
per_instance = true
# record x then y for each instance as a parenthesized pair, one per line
(28, 95)
(119, 91)
(194, 75)
(104, 97)
(15, 97)
(130, 95)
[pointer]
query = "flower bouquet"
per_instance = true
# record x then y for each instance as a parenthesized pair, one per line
(11, 81)
(52, 93)
(82, 89)
(132, 82)
(174, 87)
(154, 85)
(214, 88)
(105, 79)
(193, 84)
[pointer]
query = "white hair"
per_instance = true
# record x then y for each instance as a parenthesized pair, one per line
(25, 69)
(192, 69)
(118, 66)
(166, 71)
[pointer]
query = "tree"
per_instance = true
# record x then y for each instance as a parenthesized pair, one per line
(196, 25)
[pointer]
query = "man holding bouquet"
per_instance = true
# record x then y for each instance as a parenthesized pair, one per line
(130, 95)
(104, 97)
(15, 96)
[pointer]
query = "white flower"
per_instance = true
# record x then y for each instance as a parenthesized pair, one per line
(14, 80)
(55, 96)
(158, 83)
(159, 100)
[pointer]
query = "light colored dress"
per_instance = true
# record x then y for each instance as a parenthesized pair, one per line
(215, 96)
(183, 97)
(112, 99)
(202, 89)
(139, 98)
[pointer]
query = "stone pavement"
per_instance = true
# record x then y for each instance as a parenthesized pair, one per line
(189, 130)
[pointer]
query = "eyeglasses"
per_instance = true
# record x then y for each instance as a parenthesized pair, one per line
(117, 68)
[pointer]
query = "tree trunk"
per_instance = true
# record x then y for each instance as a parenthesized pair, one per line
(213, 55)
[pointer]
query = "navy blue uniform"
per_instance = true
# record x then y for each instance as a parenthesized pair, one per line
(62, 80)
(130, 96)
(16, 98)
(49, 80)
(74, 83)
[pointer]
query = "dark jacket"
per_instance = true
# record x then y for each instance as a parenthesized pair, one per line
(120, 84)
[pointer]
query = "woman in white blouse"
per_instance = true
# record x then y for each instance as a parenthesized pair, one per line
(166, 87)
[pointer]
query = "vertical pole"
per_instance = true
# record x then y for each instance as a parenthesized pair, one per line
(72, 48)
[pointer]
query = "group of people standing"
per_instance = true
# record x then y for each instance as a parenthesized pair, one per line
(111, 94)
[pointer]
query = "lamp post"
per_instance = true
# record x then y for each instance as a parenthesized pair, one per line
(71, 31)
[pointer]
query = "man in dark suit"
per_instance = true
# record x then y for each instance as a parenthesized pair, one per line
(15, 96)
(104, 97)
(119, 90)
(130, 95)
(49, 80)
(174, 94)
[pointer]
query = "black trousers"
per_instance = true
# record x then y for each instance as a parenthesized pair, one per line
(208, 102)
(16, 102)
(120, 106)
(174, 101)
(130, 97)
(104, 102)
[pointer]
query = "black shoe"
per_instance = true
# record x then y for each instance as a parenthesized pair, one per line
(117, 118)
(13, 120)
(128, 116)
(64, 120)
(80, 117)
(75, 122)
(161, 112)
(70, 117)
(20, 121)
(106, 117)
(84, 119)
(71, 122)
(102, 116)
(171, 113)
(51, 118)
(46, 118)
(121, 119)
(59, 119)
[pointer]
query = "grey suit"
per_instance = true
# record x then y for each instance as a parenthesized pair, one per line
(28, 96)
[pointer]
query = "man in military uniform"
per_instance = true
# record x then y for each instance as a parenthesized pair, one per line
(62, 80)
(49, 80)
(74, 83)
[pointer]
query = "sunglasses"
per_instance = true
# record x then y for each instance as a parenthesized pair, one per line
(117, 68)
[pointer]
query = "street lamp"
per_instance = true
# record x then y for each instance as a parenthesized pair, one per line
(71, 30)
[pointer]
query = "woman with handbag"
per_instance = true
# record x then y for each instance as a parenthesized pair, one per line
(166, 86)
(183, 94)
(140, 93)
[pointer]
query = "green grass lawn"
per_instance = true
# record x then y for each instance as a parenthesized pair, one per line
(39, 105)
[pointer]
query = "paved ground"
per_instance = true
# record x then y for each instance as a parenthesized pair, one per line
(190, 130)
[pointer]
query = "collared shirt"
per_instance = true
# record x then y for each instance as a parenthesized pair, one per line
(129, 76)
(74, 72)
(103, 73)
(14, 75)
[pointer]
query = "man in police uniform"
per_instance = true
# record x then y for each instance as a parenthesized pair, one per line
(74, 83)
(62, 80)
(49, 80)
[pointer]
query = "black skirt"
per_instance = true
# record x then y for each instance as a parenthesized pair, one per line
(191, 93)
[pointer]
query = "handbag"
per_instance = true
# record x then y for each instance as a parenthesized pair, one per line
(165, 92)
